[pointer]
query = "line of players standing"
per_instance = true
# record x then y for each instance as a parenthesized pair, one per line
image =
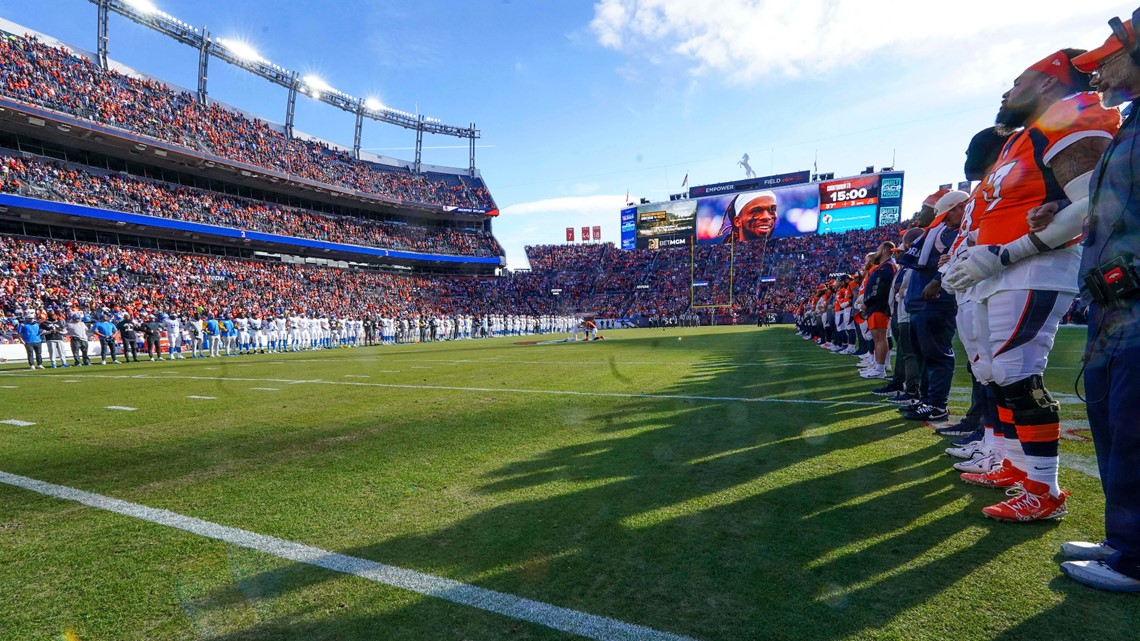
(1000, 267)
(209, 335)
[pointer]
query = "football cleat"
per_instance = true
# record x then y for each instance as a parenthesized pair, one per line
(976, 435)
(1006, 475)
(926, 412)
(887, 390)
(979, 464)
(1098, 574)
(899, 398)
(969, 450)
(961, 428)
(1029, 501)
(1084, 551)
(872, 372)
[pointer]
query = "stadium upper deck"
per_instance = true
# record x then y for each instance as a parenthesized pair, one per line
(62, 81)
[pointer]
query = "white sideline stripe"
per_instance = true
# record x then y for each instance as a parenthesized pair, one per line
(17, 423)
(70, 380)
(507, 390)
(9, 387)
(1084, 464)
(266, 389)
(562, 619)
(357, 376)
(204, 398)
(120, 407)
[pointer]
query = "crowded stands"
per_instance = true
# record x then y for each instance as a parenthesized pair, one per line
(57, 79)
(85, 186)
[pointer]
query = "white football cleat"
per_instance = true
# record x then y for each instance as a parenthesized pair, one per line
(981, 464)
(969, 450)
(1084, 551)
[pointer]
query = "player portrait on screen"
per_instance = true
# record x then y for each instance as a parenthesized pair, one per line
(758, 215)
(750, 217)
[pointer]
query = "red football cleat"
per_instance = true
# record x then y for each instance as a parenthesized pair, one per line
(1005, 476)
(1029, 501)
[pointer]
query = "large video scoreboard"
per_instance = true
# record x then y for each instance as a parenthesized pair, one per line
(767, 207)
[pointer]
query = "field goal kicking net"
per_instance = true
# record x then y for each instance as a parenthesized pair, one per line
(712, 271)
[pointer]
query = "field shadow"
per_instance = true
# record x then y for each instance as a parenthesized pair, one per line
(721, 520)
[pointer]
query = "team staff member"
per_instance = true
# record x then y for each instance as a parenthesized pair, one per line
(152, 334)
(105, 332)
(53, 331)
(1109, 277)
(128, 333)
(31, 336)
(77, 332)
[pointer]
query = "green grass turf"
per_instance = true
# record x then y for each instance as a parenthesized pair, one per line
(721, 520)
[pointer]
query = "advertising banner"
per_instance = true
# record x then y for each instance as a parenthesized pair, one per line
(666, 225)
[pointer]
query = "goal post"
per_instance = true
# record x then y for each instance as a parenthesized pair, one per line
(693, 284)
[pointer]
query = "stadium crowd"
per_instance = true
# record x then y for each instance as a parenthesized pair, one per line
(58, 181)
(57, 79)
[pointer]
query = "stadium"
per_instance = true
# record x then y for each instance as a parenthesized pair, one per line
(260, 383)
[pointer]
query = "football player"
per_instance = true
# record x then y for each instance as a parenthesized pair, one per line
(1025, 281)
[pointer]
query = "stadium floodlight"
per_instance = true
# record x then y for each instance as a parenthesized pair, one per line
(316, 84)
(242, 50)
(143, 6)
(373, 104)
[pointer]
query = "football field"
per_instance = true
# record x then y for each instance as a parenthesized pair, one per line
(711, 483)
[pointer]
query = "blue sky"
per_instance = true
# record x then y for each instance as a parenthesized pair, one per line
(579, 102)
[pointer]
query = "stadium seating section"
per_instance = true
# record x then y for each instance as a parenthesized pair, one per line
(54, 78)
(86, 186)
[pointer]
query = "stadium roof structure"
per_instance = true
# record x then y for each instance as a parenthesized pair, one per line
(244, 56)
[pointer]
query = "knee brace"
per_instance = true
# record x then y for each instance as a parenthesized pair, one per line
(1035, 415)
(1029, 395)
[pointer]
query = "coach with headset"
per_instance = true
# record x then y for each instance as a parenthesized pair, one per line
(1110, 281)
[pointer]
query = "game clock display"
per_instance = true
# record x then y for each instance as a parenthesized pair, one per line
(849, 203)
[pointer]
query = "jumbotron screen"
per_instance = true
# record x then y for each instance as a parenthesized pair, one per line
(747, 214)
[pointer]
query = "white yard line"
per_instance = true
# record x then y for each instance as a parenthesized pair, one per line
(562, 619)
(120, 408)
(1084, 464)
(17, 423)
(508, 390)
(204, 398)
(266, 389)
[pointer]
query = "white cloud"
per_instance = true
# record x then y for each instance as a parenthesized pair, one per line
(745, 40)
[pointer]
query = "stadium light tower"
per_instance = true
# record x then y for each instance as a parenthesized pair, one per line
(240, 54)
(358, 130)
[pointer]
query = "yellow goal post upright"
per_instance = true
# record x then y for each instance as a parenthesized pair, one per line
(693, 274)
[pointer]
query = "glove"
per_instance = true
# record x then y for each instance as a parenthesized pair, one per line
(979, 263)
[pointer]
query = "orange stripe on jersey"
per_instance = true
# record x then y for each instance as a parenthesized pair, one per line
(1021, 179)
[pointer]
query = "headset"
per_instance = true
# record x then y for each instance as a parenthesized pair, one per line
(1131, 45)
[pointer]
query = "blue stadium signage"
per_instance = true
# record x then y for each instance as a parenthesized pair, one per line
(751, 184)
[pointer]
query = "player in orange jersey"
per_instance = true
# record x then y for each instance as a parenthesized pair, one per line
(1024, 282)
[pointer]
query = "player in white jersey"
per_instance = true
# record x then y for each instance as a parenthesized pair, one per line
(173, 327)
(241, 323)
(257, 333)
(277, 334)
